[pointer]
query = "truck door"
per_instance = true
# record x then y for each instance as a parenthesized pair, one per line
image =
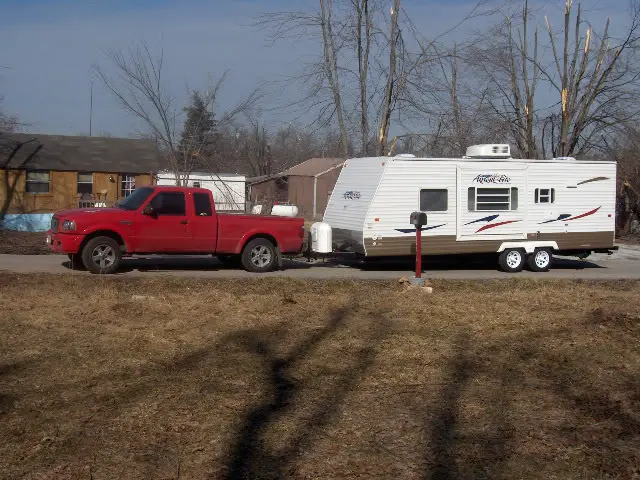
(204, 224)
(168, 229)
(492, 202)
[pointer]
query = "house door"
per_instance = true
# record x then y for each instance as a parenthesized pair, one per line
(492, 202)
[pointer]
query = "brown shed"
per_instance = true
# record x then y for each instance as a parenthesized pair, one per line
(307, 185)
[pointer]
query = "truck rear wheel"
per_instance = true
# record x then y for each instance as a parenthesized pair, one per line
(259, 255)
(102, 255)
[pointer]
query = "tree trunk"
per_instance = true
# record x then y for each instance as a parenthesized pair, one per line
(331, 67)
(385, 118)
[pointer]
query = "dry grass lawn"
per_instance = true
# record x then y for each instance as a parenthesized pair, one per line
(285, 379)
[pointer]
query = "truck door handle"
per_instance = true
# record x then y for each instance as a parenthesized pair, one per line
(184, 222)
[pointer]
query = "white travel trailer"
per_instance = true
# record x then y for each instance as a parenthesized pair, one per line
(522, 210)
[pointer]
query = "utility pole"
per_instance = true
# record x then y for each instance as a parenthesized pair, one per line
(91, 107)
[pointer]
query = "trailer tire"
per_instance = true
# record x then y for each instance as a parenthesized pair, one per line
(511, 260)
(259, 256)
(102, 255)
(540, 260)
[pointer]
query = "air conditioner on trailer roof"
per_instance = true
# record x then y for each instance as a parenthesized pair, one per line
(489, 151)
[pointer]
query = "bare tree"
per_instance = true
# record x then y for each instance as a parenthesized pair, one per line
(592, 82)
(388, 99)
(331, 68)
(15, 156)
(138, 83)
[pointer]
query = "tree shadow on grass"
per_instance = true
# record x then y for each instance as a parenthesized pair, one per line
(250, 456)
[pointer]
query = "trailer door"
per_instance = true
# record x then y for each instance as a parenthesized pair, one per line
(492, 202)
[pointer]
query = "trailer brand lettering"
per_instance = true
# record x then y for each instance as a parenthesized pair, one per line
(351, 195)
(492, 178)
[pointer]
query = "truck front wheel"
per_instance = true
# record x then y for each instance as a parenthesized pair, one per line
(102, 255)
(259, 255)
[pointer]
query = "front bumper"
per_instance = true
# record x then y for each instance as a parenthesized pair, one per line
(63, 242)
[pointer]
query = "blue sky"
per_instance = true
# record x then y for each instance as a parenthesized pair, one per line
(48, 48)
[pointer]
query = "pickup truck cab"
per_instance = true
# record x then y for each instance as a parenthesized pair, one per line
(172, 220)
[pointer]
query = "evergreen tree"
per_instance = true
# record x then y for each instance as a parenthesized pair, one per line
(196, 142)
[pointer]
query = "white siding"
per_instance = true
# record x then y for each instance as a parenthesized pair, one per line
(399, 194)
(572, 201)
(361, 177)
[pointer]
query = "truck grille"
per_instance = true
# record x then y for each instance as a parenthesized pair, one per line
(54, 224)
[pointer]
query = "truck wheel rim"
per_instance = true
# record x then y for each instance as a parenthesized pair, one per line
(513, 259)
(260, 256)
(103, 256)
(542, 259)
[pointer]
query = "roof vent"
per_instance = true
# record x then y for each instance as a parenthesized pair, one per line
(489, 151)
(406, 155)
(572, 159)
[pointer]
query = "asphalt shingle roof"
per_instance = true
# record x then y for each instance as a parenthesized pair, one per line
(88, 154)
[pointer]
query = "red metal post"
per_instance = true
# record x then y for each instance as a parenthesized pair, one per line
(418, 251)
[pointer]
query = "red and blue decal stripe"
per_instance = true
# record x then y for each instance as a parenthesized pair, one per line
(489, 226)
(567, 217)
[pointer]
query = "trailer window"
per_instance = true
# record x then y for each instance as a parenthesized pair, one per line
(545, 195)
(434, 200)
(492, 199)
(202, 204)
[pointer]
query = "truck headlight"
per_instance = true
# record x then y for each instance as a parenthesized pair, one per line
(69, 225)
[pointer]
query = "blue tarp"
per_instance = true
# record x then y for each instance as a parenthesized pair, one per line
(28, 222)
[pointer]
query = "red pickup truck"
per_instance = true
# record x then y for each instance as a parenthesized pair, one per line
(172, 220)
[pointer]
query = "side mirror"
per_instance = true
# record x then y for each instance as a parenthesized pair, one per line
(149, 210)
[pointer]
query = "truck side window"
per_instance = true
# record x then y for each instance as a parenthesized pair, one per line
(171, 203)
(202, 204)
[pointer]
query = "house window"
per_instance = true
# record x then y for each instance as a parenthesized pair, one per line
(202, 204)
(545, 195)
(492, 199)
(85, 183)
(434, 200)
(128, 184)
(38, 181)
(169, 203)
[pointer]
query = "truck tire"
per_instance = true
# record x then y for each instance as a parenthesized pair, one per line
(540, 260)
(102, 255)
(259, 256)
(511, 260)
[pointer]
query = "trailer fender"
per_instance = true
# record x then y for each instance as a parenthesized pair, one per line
(528, 247)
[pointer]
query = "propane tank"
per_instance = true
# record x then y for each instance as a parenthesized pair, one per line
(321, 238)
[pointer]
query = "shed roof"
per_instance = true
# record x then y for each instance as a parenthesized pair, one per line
(309, 168)
(314, 166)
(88, 154)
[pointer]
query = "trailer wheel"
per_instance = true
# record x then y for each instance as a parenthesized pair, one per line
(259, 256)
(540, 260)
(511, 260)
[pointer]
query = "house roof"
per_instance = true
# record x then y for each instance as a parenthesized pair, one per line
(309, 168)
(88, 154)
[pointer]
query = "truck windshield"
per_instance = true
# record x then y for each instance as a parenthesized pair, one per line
(136, 199)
